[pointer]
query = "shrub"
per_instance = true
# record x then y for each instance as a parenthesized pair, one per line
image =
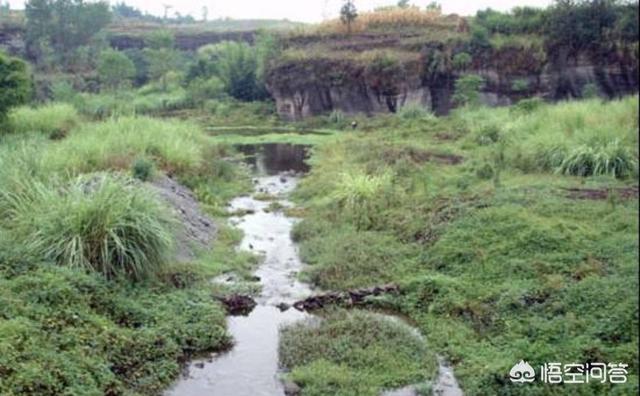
(361, 351)
(54, 120)
(101, 223)
(115, 68)
(143, 169)
(520, 85)
(14, 84)
(467, 90)
(461, 61)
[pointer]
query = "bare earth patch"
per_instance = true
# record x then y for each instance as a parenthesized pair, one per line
(198, 230)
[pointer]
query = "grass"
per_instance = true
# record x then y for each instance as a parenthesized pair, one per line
(97, 222)
(391, 18)
(492, 270)
(70, 216)
(68, 332)
(115, 144)
(582, 140)
(53, 120)
(349, 353)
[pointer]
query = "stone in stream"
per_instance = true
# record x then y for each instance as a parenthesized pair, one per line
(349, 299)
(237, 304)
(291, 388)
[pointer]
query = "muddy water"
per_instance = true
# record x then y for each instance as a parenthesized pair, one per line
(250, 368)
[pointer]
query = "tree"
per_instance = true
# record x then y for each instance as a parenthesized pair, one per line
(467, 90)
(236, 65)
(115, 68)
(63, 24)
(403, 3)
(348, 14)
(14, 84)
(434, 6)
(161, 56)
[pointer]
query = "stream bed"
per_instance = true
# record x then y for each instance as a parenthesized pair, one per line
(251, 367)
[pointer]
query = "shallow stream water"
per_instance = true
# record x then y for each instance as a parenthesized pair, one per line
(251, 367)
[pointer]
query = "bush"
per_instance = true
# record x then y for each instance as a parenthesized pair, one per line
(352, 351)
(461, 61)
(14, 84)
(101, 223)
(143, 169)
(467, 90)
(53, 120)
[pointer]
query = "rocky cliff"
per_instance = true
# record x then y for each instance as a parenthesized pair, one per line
(426, 76)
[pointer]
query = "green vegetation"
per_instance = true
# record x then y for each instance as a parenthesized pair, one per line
(52, 120)
(14, 84)
(351, 353)
(93, 300)
(500, 254)
(115, 68)
(97, 222)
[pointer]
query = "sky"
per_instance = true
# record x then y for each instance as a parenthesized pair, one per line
(302, 10)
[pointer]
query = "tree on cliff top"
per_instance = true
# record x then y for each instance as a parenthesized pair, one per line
(348, 14)
(14, 84)
(115, 68)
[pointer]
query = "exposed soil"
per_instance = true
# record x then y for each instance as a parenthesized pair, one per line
(602, 193)
(198, 230)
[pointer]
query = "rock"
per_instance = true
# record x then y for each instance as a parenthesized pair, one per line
(199, 365)
(349, 298)
(283, 180)
(283, 307)
(237, 304)
(291, 388)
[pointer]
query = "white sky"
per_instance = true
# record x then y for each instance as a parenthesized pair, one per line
(303, 10)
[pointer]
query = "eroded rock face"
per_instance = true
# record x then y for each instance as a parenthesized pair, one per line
(313, 87)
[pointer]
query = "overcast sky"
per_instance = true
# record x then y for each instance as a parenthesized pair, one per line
(303, 10)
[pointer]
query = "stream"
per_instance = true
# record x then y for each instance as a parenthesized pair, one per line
(251, 367)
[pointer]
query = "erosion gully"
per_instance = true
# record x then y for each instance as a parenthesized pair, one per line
(251, 367)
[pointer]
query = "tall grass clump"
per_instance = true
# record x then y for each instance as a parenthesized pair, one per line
(54, 120)
(115, 144)
(362, 196)
(580, 138)
(414, 111)
(612, 159)
(103, 223)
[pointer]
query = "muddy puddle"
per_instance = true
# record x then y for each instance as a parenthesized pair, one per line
(251, 367)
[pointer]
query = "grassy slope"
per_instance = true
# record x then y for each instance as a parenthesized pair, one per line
(496, 261)
(67, 331)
